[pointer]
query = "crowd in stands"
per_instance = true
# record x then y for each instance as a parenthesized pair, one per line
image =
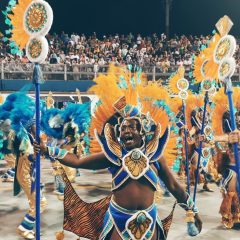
(79, 49)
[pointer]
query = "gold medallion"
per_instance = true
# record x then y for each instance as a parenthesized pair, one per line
(136, 164)
(36, 17)
(35, 48)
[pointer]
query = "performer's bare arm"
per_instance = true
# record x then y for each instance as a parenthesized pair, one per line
(94, 161)
(175, 188)
(169, 180)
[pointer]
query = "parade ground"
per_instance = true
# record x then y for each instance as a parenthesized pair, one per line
(92, 186)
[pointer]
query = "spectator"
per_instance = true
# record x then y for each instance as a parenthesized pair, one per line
(154, 50)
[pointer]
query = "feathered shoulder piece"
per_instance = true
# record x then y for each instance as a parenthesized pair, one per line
(19, 110)
(55, 121)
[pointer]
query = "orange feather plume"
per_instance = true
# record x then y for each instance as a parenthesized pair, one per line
(19, 35)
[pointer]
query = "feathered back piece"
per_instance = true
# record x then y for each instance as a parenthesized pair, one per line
(55, 121)
(221, 108)
(172, 81)
(79, 114)
(52, 123)
(14, 14)
(151, 100)
(204, 65)
(21, 109)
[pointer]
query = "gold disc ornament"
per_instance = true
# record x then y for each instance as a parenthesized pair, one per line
(206, 152)
(206, 85)
(37, 49)
(226, 68)
(38, 18)
(183, 95)
(182, 84)
(208, 131)
(225, 48)
(212, 91)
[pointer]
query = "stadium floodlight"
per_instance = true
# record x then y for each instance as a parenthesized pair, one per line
(168, 4)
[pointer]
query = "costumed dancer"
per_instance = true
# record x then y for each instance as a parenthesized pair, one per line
(29, 21)
(131, 128)
(68, 127)
(230, 206)
(217, 63)
(195, 120)
(178, 87)
(21, 109)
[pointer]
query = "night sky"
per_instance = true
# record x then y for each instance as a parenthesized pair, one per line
(139, 16)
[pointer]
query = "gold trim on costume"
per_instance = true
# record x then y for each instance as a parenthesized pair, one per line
(112, 142)
(153, 144)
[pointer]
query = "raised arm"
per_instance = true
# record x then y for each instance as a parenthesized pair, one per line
(95, 161)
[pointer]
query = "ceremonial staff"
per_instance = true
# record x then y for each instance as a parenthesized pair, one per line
(178, 86)
(216, 62)
(29, 22)
(223, 55)
(206, 87)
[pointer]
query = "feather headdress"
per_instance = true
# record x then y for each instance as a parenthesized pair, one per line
(148, 100)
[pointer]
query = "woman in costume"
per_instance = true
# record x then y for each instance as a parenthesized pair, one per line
(131, 126)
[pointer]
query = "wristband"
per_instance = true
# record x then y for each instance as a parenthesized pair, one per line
(189, 205)
(56, 152)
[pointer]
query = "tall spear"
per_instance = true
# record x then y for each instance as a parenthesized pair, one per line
(37, 82)
(178, 86)
(29, 22)
(186, 146)
(199, 150)
(227, 66)
(229, 92)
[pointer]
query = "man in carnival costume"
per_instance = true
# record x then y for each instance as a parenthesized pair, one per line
(21, 112)
(230, 206)
(194, 113)
(127, 125)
